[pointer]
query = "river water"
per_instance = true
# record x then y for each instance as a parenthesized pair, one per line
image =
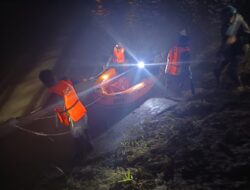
(145, 28)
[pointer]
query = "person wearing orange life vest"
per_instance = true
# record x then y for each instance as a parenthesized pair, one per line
(73, 113)
(119, 58)
(178, 69)
(119, 54)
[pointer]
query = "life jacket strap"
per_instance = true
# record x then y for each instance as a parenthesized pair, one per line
(66, 110)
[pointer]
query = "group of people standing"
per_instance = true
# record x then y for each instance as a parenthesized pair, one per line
(178, 73)
(233, 52)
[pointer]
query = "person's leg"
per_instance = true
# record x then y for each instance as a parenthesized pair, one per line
(184, 77)
(192, 88)
(245, 57)
(218, 69)
(233, 70)
(168, 83)
(187, 80)
(190, 80)
(172, 86)
(183, 83)
(81, 137)
(86, 138)
(76, 133)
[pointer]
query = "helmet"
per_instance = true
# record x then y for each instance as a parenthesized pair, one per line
(231, 9)
(118, 46)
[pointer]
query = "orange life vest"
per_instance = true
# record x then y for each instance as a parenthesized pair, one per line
(174, 58)
(73, 108)
(119, 55)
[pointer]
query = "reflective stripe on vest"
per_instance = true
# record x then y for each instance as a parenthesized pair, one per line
(174, 59)
(74, 108)
(119, 56)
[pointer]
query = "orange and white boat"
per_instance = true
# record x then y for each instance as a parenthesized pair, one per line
(125, 88)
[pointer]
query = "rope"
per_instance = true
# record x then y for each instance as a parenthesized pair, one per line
(52, 116)
(93, 77)
(47, 117)
(39, 133)
(14, 124)
(37, 113)
(91, 103)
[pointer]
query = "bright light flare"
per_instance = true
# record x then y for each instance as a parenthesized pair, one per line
(105, 77)
(141, 64)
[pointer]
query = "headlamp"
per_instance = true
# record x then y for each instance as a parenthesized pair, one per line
(141, 64)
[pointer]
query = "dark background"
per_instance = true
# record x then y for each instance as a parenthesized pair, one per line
(28, 28)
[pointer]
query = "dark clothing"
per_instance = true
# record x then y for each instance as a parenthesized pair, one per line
(233, 61)
(183, 81)
(231, 52)
(231, 56)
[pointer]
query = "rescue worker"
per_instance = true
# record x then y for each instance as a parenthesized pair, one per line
(119, 54)
(118, 58)
(72, 113)
(234, 45)
(177, 70)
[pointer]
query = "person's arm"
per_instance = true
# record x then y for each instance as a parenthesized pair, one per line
(245, 25)
(110, 60)
(52, 99)
(167, 61)
(72, 81)
(239, 22)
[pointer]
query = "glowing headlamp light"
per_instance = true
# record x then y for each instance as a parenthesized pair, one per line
(105, 77)
(140, 64)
